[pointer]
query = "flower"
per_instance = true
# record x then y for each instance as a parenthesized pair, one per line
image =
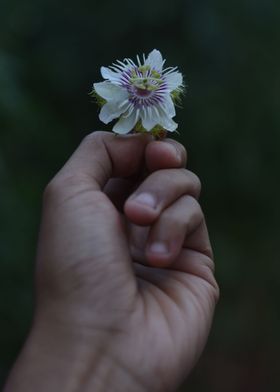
(141, 95)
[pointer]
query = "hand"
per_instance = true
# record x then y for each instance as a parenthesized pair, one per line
(125, 285)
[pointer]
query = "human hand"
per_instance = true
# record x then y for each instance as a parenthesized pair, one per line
(125, 286)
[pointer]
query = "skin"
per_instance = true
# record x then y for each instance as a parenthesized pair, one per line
(124, 280)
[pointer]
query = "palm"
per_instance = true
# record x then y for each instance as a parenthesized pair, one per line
(168, 326)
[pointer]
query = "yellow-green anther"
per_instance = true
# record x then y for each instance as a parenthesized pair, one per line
(155, 74)
(144, 68)
(145, 83)
(152, 87)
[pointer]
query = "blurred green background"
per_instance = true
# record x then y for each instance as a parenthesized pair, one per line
(51, 52)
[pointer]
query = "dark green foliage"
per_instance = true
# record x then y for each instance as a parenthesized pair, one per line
(50, 54)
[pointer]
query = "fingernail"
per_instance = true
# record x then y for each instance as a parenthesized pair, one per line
(146, 199)
(159, 248)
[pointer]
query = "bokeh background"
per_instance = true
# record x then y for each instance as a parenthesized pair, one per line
(51, 52)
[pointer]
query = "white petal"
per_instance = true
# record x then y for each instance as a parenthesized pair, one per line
(110, 111)
(155, 60)
(166, 122)
(149, 121)
(110, 91)
(169, 107)
(126, 124)
(107, 73)
(174, 80)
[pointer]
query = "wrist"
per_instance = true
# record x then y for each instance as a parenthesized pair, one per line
(57, 357)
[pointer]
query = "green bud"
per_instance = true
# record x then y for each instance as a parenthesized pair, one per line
(158, 131)
(176, 96)
(99, 100)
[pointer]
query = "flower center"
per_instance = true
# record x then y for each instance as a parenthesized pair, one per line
(145, 81)
(142, 92)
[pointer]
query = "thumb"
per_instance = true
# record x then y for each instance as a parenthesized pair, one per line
(102, 155)
(81, 231)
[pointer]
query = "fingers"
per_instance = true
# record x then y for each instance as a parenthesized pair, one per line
(168, 234)
(157, 192)
(165, 154)
(199, 241)
(102, 155)
(166, 217)
(158, 155)
(161, 245)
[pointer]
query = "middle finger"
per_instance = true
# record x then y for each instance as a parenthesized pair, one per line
(159, 190)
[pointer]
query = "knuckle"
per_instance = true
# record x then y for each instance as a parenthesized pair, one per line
(208, 258)
(96, 137)
(208, 251)
(88, 139)
(208, 273)
(198, 215)
(62, 185)
(50, 190)
(156, 178)
(194, 207)
(195, 214)
(183, 153)
(215, 290)
(168, 217)
(195, 183)
(55, 189)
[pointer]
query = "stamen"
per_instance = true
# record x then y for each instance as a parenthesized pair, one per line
(114, 68)
(129, 61)
(169, 70)
(122, 63)
(138, 60)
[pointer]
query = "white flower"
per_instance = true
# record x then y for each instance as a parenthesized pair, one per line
(139, 94)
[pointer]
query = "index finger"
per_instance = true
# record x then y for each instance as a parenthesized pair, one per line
(167, 153)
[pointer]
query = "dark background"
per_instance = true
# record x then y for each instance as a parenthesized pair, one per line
(51, 52)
